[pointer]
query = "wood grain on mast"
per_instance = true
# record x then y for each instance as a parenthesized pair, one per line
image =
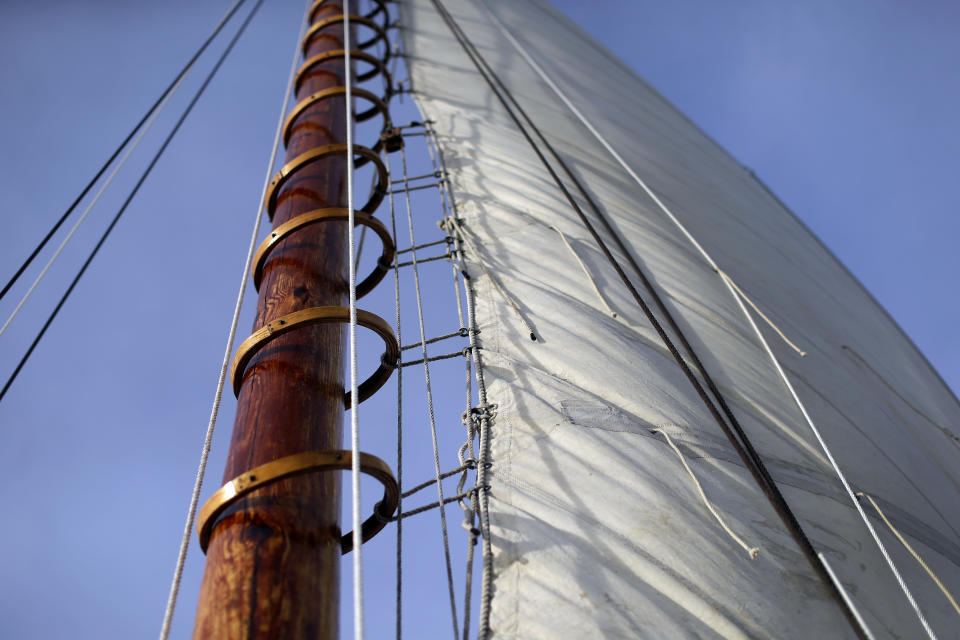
(273, 561)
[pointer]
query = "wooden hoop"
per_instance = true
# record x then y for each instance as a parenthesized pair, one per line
(378, 66)
(299, 464)
(381, 7)
(318, 153)
(321, 315)
(379, 106)
(379, 32)
(324, 215)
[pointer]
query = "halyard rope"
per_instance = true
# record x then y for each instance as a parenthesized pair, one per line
(231, 335)
(355, 408)
(733, 291)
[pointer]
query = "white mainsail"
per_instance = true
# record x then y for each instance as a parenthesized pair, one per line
(597, 528)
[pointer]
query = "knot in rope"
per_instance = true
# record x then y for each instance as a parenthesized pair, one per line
(475, 415)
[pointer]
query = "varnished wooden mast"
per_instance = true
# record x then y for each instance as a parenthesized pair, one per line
(273, 560)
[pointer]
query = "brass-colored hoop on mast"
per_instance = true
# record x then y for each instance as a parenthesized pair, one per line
(379, 106)
(379, 33)
(321, 315)
(384, 262)
(299, 464)
(378, 65)
(319, 153)
(377, 10)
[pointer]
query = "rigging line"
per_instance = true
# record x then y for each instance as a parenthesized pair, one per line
(355, 409)
(129, 199)
(916, 556)
(89, 208)
(483, 464)
(606, 145)
(446, 356)
(363, 231)
(751, 551)
(431, 506)
(744, 448)
(840, 475)
(433, 481)
(231, 336)
(163, 96)
(443, 256)
(433, 424)
(445, 214)
(427, 244)
(396, 285)
(462, 333)
(469, 515)
(833, 576)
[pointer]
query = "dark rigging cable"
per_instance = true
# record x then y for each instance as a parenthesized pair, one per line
(121, 146)
(136, 187)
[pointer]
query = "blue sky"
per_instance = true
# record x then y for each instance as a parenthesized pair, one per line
(846, 110)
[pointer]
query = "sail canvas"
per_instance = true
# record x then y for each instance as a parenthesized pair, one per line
(597, 527)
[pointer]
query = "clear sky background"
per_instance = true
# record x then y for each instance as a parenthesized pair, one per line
(848, 111)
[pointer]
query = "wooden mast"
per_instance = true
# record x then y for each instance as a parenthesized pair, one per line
(273, 558)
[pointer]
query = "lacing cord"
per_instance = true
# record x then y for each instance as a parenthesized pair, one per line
(231, 335)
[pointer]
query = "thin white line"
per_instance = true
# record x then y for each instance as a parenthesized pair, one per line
(354, 404)
(846, 597)
(893, 568)
(215, 409)
(96, 198)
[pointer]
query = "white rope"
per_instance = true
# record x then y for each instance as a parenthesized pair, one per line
(218, 394)
(96, 198)
(733, 292)
(586, 271)
(751, 551)
(429, 389)
(355, 404)
(846, 597)
(916, 556)
(729, 280)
